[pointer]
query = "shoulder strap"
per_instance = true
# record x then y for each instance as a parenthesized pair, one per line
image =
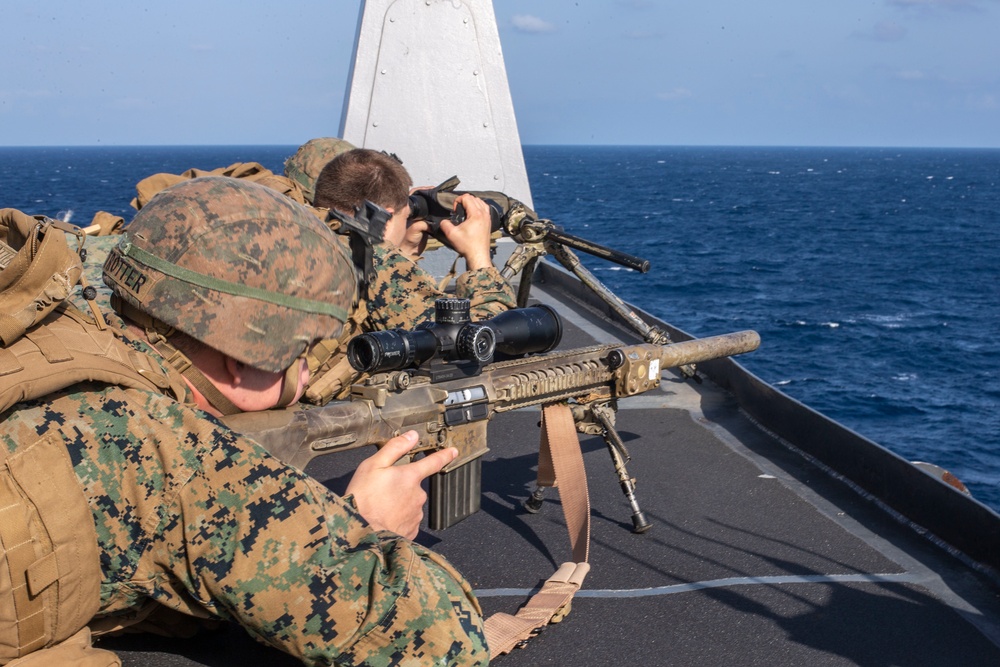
(67, 348)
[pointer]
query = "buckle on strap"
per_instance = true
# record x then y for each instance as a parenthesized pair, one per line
(551, 604)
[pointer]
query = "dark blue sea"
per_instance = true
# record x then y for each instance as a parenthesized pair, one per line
(871, 273)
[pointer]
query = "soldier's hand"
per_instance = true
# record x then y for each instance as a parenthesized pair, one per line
(389, 496)
(471, 239)
(415, 240)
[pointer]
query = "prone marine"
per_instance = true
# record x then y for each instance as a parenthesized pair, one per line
(139, 502)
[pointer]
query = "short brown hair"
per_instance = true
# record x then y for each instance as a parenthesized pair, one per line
(352, 177)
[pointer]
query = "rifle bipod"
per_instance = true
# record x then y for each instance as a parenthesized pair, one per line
(599, 419)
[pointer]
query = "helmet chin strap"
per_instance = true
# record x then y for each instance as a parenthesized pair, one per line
(158, 333)
(290, 385)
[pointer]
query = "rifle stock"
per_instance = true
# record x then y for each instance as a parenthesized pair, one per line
(455, 412)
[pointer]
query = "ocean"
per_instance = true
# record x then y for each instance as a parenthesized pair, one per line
(870, 273)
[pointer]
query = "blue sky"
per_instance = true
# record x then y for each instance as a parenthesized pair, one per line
(672, 72)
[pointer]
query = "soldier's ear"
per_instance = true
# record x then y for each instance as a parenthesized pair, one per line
(236, 371)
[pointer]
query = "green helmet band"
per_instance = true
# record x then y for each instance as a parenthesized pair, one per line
(310, 306)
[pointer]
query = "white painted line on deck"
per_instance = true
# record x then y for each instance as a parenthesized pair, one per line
(905, 578)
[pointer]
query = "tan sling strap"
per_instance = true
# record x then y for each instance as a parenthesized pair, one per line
(50, 571)
(560, 463)
(504, 632)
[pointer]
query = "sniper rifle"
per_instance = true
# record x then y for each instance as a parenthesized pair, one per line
(445, 380)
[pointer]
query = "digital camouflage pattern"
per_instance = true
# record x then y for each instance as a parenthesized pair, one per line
(403, 295)
(194, 517)
(97, 249)
(268, 276)
(309, 160)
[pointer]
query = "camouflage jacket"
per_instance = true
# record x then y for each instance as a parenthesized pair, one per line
(195, 517)
(403, 294)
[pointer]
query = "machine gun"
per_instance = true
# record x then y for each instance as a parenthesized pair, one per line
(442, 381)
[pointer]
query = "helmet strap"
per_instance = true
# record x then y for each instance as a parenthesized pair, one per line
(158, 333)
(291, 384)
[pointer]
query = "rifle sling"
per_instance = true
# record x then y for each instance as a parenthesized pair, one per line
(559, 455)
(559, 459)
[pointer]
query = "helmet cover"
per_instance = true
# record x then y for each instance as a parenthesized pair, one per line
(309, 160)
(237, 266)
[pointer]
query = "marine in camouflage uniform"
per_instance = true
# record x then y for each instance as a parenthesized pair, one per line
(196, 518)
(402, 295)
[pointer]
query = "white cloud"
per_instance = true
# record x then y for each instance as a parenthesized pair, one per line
(675, 94)
(643, 34)
(529, 23)
(888, 31)
(984, 101)
(911, 75)
(937, 4)
(883, 31)
(132, 103)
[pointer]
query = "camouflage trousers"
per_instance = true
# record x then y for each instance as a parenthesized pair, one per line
(205, 522)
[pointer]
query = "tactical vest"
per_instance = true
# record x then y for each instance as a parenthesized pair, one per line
(330, 374)
(49, 560)
(251, 171)
(47, 343)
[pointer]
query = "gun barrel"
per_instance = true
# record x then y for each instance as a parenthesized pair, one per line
(713, 347)
(597, 250)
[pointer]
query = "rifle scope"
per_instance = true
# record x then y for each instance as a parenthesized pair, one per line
(452, 337)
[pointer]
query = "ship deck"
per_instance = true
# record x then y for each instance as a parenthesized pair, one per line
(757, 554)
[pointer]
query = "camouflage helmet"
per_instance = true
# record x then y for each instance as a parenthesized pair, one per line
(309, 160)
(237, 266)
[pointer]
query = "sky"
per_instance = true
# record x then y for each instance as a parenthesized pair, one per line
(672, 72)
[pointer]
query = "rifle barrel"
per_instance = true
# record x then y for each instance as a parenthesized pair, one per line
(624, 259)
(712, 347)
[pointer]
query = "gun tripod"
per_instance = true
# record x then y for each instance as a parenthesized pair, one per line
(599, 419)
(537, 238)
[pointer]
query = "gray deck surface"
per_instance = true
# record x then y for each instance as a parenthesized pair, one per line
(755, 556)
